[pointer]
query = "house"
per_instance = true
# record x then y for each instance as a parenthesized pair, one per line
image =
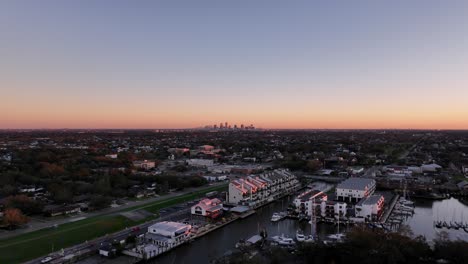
(370, 208)
(465, 170)
(355, 189)
(111, 156)
(463, 186)
(356, 170)
(30, 189)
(144, 164)
(211, 208)
(107, 250)
(56, 210)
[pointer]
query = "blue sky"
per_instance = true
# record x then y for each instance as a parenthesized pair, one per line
(307, 64)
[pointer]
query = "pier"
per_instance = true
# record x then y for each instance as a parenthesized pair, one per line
(390, 209)
(451, 225)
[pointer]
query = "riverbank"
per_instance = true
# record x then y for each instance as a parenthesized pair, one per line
(39, 243)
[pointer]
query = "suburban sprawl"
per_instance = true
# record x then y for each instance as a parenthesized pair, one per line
(253, 195)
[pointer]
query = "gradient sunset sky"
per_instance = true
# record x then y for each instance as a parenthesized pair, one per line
(275, 64)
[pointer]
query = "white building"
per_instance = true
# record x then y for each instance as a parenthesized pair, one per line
(111, 156)
(465, 170)
(161, 237)
(200, 162)
(431, 167)
(208, 208)
(144, 164)
(308, 199)
(168, 234)
(333, 209)
(354, 189)
(370, 208)
(356, 170)
(255, 190)
(398, 171)
(216, 178)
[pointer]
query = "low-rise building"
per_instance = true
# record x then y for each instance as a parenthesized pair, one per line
(309, 200)
(356, 170)
(370, 208)
(111, 156)
(355, 189)
(333, 209)
(398, 171)
(215, 178)
(168, 234)
(144, 164)
(431, 168)
(259, 189)
(211, 208)
(465, 170)
(200, 162)
(56, 210)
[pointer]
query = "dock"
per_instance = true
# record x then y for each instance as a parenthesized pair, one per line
(390, 209)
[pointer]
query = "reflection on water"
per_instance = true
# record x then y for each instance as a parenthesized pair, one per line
(216, 243)
(426, 212)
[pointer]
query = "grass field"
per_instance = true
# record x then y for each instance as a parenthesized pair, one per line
(35, 244)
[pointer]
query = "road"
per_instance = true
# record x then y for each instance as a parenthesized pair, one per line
(93, 245)
(108, 211)
(371, 172)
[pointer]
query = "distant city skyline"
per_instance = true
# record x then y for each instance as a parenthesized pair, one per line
(276, 64)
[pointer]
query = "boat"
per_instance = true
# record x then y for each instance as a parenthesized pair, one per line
(309, 239)
(406, 202)
(465, 229)
(276, 217)
(337, 237)
(300, 237)
(283, 240)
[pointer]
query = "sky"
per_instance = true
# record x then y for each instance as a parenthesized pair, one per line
(275, 64)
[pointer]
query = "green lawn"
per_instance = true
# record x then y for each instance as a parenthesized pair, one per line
(35, 244)
(44, 241)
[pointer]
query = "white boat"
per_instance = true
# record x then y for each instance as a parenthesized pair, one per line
(337, 237)
(309, 239)
(406, 202)
(275, 217)
(283, 240)
(278, 216)
(300, 237)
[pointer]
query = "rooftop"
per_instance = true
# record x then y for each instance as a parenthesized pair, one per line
(169, 226)
(373, 199)
(355, 183)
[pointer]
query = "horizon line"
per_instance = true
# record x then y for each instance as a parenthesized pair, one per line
(232, 129)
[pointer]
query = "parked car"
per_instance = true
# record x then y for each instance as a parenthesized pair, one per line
(46, 259)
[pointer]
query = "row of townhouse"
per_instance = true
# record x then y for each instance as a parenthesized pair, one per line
(256, 190)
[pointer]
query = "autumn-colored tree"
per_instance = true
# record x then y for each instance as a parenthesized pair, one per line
(314, 165)
(14, 217)
(50, 169)
(24, 203)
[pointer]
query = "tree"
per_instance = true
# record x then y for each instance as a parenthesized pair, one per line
(314, 165)
(14, 217)
(99, 202)
(24, 203)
